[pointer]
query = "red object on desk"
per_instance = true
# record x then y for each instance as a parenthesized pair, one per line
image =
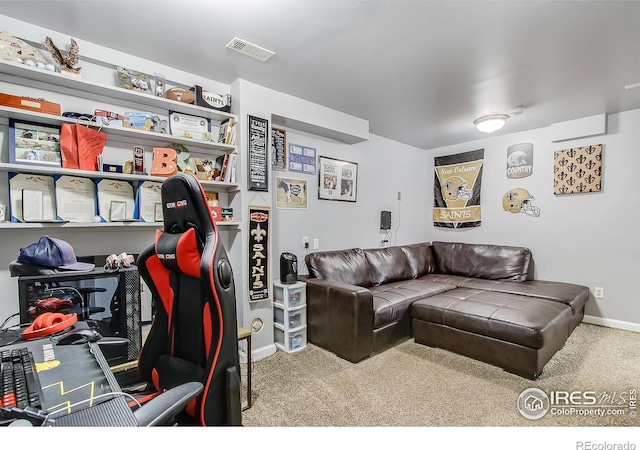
(48, 323)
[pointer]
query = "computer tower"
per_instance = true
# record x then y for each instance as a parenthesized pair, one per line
(288, 268)
(106, 300)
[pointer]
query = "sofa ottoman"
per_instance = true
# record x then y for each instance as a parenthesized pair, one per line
(515, 332)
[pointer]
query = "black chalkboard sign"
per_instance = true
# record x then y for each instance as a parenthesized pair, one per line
(258, 141)
(278, 149)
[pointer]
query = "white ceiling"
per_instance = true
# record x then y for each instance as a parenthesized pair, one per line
(419, 71)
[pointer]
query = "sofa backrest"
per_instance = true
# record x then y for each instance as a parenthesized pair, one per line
(420, 257)
(491, 262)
(387, 264)
(342, 266)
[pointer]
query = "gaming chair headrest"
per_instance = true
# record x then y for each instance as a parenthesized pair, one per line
(179, 252)
(184, 206)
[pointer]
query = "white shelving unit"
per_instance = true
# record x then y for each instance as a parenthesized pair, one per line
(290, 316)
(45, 81)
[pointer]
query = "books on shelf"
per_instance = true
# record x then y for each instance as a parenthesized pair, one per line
(227, 132)
(225, 168)
(225, 165)
(232, 167)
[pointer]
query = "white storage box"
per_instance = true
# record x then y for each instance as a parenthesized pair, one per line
(290, 295)
(294, 318)
(290, 341)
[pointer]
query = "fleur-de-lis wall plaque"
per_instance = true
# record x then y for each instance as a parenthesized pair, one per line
(583, 164)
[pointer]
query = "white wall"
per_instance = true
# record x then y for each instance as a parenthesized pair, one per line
(385, 168)
(589, 239)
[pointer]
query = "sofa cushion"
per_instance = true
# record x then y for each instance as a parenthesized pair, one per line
(492, 262)
(572, 295)
(342, 266)
(387, 264)
(420, 258)
(391, 301)
(528, 321)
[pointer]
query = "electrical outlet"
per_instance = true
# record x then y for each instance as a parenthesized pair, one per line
(316, 244)
(598, 292)
(399, 195)
(305, 241)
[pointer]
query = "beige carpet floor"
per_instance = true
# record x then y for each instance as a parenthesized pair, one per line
(411, 385)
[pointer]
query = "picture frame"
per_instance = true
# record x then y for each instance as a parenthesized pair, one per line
(278, 149)
(302, 159)
(34, 143)
(337, 179)
(258, 139)
(133, 80)
(291, 193)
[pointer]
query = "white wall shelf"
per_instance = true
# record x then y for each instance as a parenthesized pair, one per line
(116, 133)
(217, 186)
(53, 81)
(124, 226)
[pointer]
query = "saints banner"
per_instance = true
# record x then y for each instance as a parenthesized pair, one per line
(457, 190)
(258, 253)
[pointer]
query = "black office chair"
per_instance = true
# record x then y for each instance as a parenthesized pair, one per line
(193, 336)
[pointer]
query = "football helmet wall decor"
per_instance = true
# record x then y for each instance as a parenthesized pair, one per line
(454, 188)
(518, 200)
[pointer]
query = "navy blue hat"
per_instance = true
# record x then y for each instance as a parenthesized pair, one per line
(51, 252)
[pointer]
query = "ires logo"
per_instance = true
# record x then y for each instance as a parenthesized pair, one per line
(176, 205)
(558, 398)
(534, 403)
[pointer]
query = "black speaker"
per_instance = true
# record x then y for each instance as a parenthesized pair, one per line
(288, 268)
(385, 220)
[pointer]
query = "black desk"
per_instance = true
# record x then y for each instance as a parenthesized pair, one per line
(78, 375)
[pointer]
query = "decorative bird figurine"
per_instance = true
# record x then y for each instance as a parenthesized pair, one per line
(68, 61)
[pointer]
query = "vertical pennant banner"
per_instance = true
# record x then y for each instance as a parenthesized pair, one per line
(457, 190)
(258, 253)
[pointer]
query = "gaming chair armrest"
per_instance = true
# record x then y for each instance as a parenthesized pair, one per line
(161, 409)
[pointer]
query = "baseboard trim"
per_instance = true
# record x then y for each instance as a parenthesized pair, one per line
(260, 353)
(611, 323)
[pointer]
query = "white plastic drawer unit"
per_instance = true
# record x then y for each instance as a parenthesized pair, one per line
(290, 341)
(294, 318)
(290, 295)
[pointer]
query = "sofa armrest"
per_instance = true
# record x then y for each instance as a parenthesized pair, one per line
(340, 318)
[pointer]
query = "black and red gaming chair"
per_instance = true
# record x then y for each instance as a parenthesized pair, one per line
(193, 336)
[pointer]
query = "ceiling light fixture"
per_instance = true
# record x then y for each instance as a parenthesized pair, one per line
(489, 124)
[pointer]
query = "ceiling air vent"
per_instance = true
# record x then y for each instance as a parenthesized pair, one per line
(250, 49)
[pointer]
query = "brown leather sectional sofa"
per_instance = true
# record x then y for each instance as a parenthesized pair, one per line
(476, 300)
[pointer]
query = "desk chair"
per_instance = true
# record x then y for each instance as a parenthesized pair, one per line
(193, 336)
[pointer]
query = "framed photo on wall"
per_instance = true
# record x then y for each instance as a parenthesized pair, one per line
(258, 157)
(34, 143)
(278, 149)
(337, 179)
